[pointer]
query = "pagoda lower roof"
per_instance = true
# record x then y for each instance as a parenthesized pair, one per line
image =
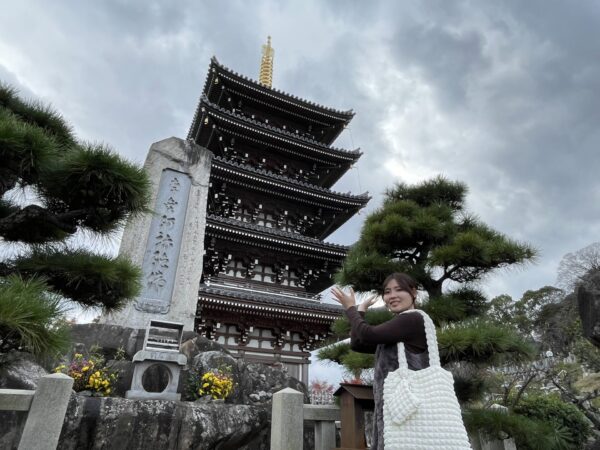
(267, 301)
(330, 114)
(274, 236)
(265, 130)
(284, 183)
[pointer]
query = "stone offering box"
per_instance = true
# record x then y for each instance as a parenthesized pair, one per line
(355, 399)
(159, 358)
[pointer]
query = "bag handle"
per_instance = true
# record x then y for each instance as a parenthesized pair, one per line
(430, 337)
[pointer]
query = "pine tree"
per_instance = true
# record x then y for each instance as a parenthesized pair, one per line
(72, 186)
(424, 231)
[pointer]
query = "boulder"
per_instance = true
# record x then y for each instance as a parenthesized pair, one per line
(109, 338)
(20, 371)
(588, 300)
(119, 424)
(254, 383)
(96, 423)
(193, 345)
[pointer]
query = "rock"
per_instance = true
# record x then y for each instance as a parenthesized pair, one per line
(124, 371)
(208, 360)
(259, 379)
(109, 338)
(195, 344)
(20, 371)
(119, 424)
(588, 300)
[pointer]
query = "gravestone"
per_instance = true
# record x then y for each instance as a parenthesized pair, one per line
(168, 242)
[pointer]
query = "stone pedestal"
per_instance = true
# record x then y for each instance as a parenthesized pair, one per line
(168, 243)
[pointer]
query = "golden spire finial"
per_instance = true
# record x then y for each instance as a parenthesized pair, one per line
(265, 76)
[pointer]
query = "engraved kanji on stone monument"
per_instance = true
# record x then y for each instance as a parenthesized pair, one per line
(164, 242)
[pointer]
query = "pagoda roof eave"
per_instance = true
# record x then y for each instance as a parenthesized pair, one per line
(278, 133)
(274, 236)
(286, 183)
(339, 116)
(263, 300)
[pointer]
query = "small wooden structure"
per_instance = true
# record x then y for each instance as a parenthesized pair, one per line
(355, 399)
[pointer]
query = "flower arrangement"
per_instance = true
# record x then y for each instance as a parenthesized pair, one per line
(89, 374)
(216, 383)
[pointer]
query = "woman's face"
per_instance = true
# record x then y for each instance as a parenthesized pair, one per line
(396, 298)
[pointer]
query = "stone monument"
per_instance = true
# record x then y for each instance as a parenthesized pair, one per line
(168, 242)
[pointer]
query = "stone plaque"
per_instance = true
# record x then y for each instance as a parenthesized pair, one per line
(164, 242)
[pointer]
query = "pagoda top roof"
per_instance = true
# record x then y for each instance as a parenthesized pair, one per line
(276, 236)
(281, 134)
(293, 184)
(288, 302)
(276, 94)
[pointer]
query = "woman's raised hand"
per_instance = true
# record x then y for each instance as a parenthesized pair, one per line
(346, 300)
(368, 302)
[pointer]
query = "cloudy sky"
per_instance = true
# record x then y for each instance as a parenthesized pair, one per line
(503, 95)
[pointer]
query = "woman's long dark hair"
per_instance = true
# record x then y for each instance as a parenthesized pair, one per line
(406, 282)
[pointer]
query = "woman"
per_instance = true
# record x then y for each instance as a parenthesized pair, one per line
(399, 294)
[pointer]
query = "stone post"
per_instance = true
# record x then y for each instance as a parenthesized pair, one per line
(47, 413)
(287, 420)
(168, 243)
(324, 417)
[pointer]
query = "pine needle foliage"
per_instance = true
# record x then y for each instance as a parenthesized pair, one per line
(432, 239)
(30, 318)
(334, 353)
(77, 186)
(38, 115)
(97, 183)
(528, 433)
(356, 362)
(90, 279)
(483, 343)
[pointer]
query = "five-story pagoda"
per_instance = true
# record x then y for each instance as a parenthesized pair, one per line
(269, 208)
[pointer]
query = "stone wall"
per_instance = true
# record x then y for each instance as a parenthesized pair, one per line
(242, 422)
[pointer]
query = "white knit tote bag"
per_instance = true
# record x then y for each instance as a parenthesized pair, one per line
(420, 409)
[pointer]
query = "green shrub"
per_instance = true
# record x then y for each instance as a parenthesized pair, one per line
(552, 409)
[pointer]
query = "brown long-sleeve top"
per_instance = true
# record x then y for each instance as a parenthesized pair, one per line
(406, 328)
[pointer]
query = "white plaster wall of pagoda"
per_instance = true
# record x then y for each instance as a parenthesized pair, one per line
(172, 154)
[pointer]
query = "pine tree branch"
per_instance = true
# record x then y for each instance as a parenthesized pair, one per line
(8, 180)
(523, 387)
(12, 226)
